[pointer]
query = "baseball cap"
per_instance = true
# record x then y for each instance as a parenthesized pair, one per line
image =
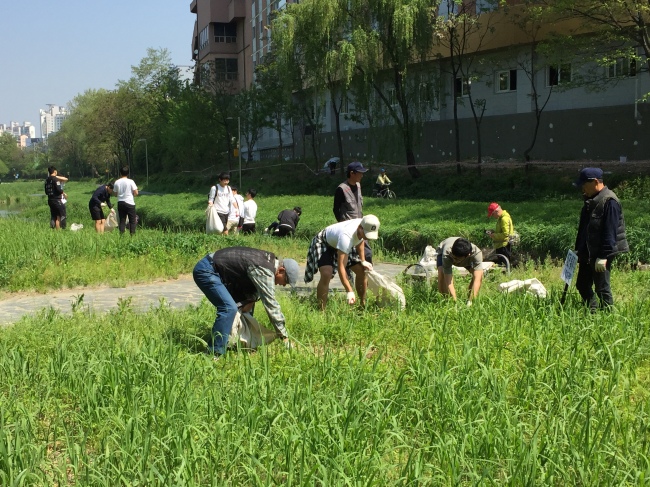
(588, 173)
(356, 166)
(370, 225)
(291, 270)
(492, 208)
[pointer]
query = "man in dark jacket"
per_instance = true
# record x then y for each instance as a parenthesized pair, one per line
(234, 278)
(101, 195)
(601, 236)
(55, 198)
(286, 224)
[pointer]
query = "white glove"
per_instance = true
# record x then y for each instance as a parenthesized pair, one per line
(351, 297)
(112, 210)
(366, 265)
(600, 265)
(469, 303)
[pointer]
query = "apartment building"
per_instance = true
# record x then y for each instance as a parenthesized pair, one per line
(23, 133)
(51, 120)
(578, 122)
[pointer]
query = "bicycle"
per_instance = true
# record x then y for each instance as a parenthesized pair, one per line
(385, 192)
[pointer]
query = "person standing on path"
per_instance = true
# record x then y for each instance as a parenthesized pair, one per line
(330, 250)
(101, 195)
(504, 230)
(348, 204)
(56, 198)
(457, 251)
(222, 197)
(126, 190)
(250, 212)
(601, 237)
(234, 278)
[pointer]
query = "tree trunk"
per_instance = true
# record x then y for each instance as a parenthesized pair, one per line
(339, 137)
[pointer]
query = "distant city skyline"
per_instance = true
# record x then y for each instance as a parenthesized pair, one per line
(62, 49)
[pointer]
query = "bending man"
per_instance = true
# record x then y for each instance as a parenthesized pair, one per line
(329, 252)
(459, 252)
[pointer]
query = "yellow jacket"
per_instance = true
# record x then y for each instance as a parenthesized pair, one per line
(383, 179)
(505, 229)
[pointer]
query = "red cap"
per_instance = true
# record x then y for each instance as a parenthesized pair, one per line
(492, 208)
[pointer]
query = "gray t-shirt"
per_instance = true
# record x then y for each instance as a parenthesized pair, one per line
(472, 262)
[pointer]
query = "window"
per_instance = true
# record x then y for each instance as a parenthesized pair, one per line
(203, 38)
(622, 68)
(558, 75)
(226, 69)
(204, 73)
(462, 86)
(345, 105)
(506, 81)
(392, 97)
(428, 95)
(225, 32)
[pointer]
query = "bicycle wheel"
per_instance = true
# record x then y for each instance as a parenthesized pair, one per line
(391, 195)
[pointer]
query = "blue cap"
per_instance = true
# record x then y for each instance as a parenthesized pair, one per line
(587, 174)
(356, 166)
(382, 170)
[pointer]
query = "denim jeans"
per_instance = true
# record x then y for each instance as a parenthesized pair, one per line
(210, 283)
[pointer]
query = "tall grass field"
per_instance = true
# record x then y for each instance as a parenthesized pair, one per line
(513, 390)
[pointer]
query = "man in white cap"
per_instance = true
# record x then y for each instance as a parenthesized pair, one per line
(601, 236)
(329, 252)
(234, 278)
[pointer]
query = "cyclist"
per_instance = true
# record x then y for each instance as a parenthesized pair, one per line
(382, 181)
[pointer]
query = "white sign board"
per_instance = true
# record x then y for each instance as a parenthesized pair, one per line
(569, 268)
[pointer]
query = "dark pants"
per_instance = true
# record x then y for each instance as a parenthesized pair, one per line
(594, 287)
(124, 210)
(57, 212)
(248, 228)
(505, 251)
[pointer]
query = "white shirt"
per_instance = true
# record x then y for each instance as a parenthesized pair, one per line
(235, 213)
(250, 211)
(124, 188)
(223, 198)
(343, 235)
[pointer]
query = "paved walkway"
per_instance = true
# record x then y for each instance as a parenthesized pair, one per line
(178, 293)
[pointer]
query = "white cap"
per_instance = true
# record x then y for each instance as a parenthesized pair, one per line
(370, 225)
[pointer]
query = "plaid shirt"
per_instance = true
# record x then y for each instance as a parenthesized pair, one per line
(264, 281)
(317, 248)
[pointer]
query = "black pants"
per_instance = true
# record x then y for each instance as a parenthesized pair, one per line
(505, 251)
(57, 212)
(248, 228)
(594, 287)
(124, 210)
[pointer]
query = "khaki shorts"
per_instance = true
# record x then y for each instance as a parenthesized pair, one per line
(232, 225)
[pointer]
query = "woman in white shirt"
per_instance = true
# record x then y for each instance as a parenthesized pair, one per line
(221, 196)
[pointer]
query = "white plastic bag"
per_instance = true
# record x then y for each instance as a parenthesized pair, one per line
(428, 261)
(248, 333)
(530, 286)
(213, 223)
(111, 222)
(387, 291)
(75, 227)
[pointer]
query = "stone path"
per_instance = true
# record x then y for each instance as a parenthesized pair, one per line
(178, 293)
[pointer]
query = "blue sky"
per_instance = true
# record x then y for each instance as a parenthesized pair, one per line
(52, 50)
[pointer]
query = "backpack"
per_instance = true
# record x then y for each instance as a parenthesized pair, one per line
(49, 187)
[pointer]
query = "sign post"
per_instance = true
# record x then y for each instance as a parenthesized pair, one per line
(568, 270)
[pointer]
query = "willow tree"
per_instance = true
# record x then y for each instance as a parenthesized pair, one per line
(311, 35)
(376, 40)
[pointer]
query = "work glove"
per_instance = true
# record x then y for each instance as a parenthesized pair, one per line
(112, 210)
(601, 265)
(469, 303)
(366, 265)
(351, 297)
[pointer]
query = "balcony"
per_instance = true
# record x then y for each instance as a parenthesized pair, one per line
(236, 10)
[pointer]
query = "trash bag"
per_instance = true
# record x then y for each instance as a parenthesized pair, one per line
(246, 332)
(386, 291)
(111, 222)
(530, 286)
(213, 223)
(428, 260)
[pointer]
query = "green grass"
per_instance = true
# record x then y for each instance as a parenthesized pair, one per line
(511, 391)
